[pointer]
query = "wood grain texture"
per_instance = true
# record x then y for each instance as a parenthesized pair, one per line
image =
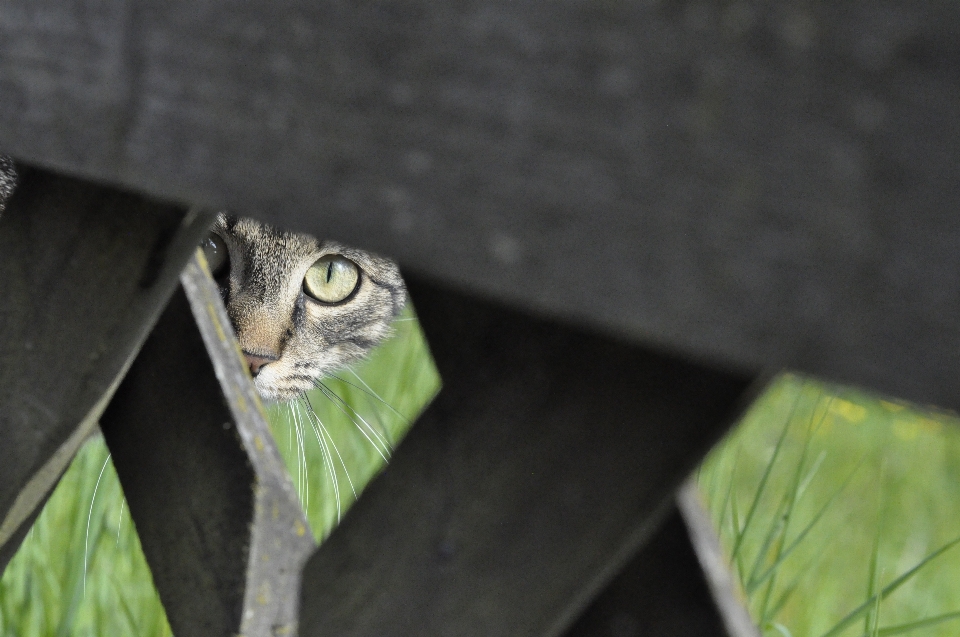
(548, 457)
(759, 184)
(85, 271)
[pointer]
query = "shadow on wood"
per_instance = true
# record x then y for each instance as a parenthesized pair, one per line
(662, 591)
(85, 271)
(547, 459)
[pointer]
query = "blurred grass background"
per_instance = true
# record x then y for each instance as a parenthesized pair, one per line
(901, 501)
(905, 462)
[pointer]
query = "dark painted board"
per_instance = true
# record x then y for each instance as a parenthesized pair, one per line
(84, 272)
(769, 184)
(659, 593)
(219, 521)
(542, 465)
(678, 585)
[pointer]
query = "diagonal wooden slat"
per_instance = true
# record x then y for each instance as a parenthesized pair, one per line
(662, 591)
(547, 459)
(84, 272)
(218, 518)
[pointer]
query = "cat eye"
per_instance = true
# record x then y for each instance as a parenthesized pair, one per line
(215, 251)
(331, 279)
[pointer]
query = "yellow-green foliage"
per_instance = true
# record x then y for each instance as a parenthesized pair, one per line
(45, 589)
(903, 497)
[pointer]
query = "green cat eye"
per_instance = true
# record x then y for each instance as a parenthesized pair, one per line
(215, 251)
(331, 279)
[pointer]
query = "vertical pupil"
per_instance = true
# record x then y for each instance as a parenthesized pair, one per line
(329, 271)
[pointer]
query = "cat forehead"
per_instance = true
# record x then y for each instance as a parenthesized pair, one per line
(262, 237)
(266, 246)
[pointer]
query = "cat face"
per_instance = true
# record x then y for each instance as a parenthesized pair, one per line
(302, 308)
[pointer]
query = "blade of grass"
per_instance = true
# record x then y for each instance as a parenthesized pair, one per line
(779, 555)
(752, 586)
(738, 543)
(779, 523)
(876, 618)
(902, 629)
(855, 614)
(870, 621)
(127, 613)
(730, 483)
(774, 533)
(791, 495)
(735, 520)
(767, 593)
(789, 589)
(811, 474)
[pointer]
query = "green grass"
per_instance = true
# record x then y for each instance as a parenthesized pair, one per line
(871, 488)
(901, 501)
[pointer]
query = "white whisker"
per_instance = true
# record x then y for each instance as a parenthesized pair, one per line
(386, 445)
(296, 434)
(293, 417)
(317, 421)
(330, 396)
(301, 456)
(327, 458)
(86, 540)
(378, 418)
(303, 452)
(369, 391)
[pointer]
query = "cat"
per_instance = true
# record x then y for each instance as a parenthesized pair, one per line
(8, 180)
(301, 308)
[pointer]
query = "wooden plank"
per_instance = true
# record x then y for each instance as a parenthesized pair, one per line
(543, 464)
(218, 518)
(767, 184)
(84, 272)
(661, 592)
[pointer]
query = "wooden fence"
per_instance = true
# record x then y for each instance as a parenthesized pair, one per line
(614, 218)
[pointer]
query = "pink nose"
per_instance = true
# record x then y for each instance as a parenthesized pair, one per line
(256, 363)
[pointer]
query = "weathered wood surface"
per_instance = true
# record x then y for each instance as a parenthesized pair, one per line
(84, 270)
(217, 516)
(662, 591)
(546, 460)
(768, 184)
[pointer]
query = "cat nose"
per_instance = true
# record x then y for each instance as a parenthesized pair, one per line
(256, 362)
